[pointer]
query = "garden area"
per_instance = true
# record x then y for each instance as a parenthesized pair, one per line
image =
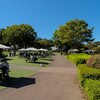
(25, 55)
(88, 73)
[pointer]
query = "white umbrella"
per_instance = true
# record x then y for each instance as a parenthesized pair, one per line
(32, 49)
(53, 48)
(75, 50)
(22, 49)
(4, 47)
(43, 49)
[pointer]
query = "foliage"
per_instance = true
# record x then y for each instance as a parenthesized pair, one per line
(1, 31)
(92, 88)
(23, 34)
(96, 44)
(43, 43)
(74, 33)
(94, 61)
(97, 49)
(78, 58)
(89, 77)
(80, 61)
(85, 72)
(93, 46)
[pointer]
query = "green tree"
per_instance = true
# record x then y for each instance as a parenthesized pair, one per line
(96, 43)
(43, 43)
(22, 35)
(1, 38)
(74, 33)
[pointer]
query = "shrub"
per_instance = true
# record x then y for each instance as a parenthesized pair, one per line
(97, 49)
(94, 61)
(80, 61)
(92, 88)
(78, 58)
(85, 72)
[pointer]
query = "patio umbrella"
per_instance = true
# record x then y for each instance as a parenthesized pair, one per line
(75, 50)
(32, 49)
(53, 48)
(4, 47)
(22, 49)
(43, 49)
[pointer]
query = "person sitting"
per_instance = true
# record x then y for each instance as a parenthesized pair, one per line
(5, 68)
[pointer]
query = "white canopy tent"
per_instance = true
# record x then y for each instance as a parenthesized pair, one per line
(4, 47)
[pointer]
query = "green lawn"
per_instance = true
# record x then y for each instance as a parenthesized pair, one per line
(20, 72)
(74, 57)
(21, 61)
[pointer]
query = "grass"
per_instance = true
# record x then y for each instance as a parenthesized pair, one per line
(20, 72)
(16, 75)
(73, 57)
(21, 61)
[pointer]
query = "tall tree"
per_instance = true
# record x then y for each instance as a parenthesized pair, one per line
(1, 38)
(96, 43)
(43, 43)
(22, 35)
(74, 33)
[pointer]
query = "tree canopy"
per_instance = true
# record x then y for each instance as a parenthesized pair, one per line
(23, 35)
(1, 38)
(43, 43)
(74, 33)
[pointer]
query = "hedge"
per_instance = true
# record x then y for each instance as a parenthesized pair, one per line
(85, 72)
(92, 88)
(80, 61)
(78, 58)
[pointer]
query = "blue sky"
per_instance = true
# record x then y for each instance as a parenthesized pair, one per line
(45, 16)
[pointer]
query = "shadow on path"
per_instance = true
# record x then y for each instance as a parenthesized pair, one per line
(18, 82)
(49, 59)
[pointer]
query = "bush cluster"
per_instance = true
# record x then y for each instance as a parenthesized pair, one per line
(92, 88)
(85, 72)
(88, 74)
(94, 61)
(90, 80)
(80, 61)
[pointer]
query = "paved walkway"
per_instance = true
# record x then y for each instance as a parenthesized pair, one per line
(57, 82)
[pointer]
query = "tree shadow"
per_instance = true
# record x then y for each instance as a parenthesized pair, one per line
(18, 82)
(49, 59)
(2, 59)
(53, 54)
(39, 62)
